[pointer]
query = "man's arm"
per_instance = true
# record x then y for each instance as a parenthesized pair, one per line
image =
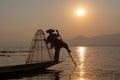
(46, 40)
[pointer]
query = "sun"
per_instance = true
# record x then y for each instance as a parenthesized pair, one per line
(80, 12)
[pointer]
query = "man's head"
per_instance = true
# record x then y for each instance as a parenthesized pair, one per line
(50, 31)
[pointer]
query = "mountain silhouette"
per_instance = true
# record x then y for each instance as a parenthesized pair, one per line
(101, 40)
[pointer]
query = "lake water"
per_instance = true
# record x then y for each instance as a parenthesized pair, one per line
(93, 63)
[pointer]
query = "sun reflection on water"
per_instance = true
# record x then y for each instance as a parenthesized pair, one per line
(81, 53)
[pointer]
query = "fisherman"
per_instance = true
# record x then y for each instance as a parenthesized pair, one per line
(56, 43)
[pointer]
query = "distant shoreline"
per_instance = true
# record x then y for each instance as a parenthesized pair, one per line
(5, 51)
(95, 45)
(16, 51)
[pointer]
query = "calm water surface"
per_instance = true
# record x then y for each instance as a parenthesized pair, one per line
(93, 63)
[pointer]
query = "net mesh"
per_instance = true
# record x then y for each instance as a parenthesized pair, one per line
(39, 51)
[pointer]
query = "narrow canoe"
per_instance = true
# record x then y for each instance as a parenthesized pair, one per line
(25, 69)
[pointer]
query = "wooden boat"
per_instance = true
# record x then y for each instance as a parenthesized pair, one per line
(25, 69)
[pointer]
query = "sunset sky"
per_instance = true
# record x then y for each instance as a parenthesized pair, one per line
(19, 19)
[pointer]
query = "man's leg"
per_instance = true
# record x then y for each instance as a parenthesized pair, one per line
(66, 46)
(56, 57)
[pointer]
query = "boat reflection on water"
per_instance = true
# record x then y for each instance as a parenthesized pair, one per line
(50, 75)
(36, 75)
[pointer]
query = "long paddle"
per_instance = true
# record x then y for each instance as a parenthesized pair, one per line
(68, 52)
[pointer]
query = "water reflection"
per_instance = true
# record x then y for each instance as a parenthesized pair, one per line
(81, 52)
(88, 69)
(53, 75)
(89, 58)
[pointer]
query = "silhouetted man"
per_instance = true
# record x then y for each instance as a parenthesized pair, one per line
(56, 42)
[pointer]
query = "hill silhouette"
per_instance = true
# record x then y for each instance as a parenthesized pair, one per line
(101, 40)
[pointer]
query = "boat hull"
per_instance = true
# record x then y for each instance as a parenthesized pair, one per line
(25, 69)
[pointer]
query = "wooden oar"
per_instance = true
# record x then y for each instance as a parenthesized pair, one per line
(68, 52)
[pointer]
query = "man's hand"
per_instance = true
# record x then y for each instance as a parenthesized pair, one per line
(57, 32)
(45, 40)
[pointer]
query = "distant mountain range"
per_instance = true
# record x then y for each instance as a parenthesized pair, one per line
(101, 40)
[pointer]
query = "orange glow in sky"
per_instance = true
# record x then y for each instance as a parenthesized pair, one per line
(19, 19)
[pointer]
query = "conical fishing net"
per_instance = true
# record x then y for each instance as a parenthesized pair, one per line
(39, 51)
